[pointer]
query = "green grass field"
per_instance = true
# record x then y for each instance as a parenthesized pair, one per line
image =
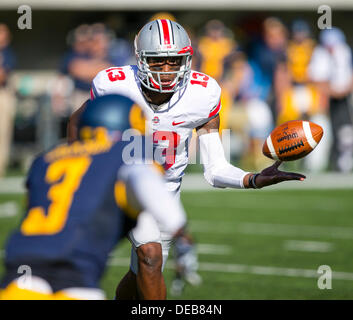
(256, 244)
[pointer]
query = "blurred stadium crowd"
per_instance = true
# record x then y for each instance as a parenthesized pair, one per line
(269, 72)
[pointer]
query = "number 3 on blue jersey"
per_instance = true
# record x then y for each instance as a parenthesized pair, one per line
(69, 171)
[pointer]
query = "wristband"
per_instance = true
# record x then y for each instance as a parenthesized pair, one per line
(252, 181)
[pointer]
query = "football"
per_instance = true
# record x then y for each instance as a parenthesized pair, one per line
(292, 140)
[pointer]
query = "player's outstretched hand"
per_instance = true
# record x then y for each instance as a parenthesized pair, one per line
(272, 175)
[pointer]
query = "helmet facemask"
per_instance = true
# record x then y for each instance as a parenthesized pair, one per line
(152, 79)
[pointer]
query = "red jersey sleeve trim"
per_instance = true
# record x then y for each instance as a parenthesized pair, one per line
(92, 94)
(215, 110)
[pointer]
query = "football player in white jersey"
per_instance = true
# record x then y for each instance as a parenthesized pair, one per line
(176, 100)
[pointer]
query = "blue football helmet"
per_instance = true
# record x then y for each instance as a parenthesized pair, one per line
(116, 113)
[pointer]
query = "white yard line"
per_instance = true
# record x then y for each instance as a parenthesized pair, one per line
(8, 209)
(249, 269)
(272, 229)
(242, 268)
(329, 205)
(217, 249)
(308, 246)
(196, 182)
(13, 185)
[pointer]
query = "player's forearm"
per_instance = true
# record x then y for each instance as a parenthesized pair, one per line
(228, 176)
(3, 75)
(217, 170)
(72, 132)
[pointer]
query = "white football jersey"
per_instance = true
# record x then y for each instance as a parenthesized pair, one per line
(172, 123)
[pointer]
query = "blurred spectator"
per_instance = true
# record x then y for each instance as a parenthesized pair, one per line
(7, 102)
(105, 46)
(270, 55)
(298, 99)
(331, 67)
(92, 49)
(88, 55)
(99, 42)
(246, 111)
(299, 51)
(214, 47)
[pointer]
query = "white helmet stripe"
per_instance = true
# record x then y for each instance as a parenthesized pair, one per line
(160, 30)
(171, 32)
(165, 31)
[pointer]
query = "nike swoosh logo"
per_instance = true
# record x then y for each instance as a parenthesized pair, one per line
(176, 123)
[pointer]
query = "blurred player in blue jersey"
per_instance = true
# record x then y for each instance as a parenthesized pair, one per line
(82, 200)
